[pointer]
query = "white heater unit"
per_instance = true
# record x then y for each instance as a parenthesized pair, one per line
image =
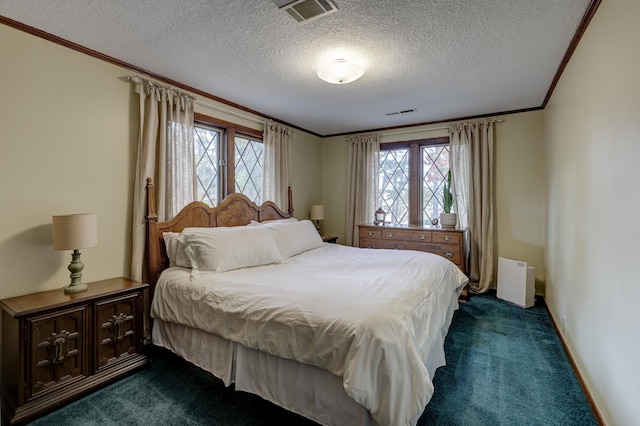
(516, 282)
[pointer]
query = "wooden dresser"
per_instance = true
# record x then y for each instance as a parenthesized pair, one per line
(448, 243)
(57, 347)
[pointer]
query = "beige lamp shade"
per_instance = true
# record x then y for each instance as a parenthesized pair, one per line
(317, 212)
(75, 231)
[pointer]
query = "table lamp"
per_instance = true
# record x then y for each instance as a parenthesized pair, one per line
(75, 232)
(317, 214)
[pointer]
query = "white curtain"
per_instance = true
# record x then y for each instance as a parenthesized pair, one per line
(362, 183)
(276, 176)
(165, 154)
(471, 162)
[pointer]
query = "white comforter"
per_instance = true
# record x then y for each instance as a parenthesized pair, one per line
(368, 316)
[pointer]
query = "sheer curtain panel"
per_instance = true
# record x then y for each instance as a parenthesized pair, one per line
(362, 183)
(471, 147)
(165, 154)
(277, 163)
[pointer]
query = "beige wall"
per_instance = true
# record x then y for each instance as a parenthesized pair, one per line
(67, 147)
(520, 191)
(68, 144)
(592, 132)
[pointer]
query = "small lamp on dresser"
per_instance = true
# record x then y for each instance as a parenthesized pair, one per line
(75, 232)
(380, 217)
(317, 214)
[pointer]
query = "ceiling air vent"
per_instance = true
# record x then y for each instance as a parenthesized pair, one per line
(306, 10)
(404, 111)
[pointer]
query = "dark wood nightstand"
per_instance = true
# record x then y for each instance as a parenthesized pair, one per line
(57, 347)
(329, 239)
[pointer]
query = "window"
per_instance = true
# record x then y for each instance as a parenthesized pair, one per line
(229, 158)
(411, 180)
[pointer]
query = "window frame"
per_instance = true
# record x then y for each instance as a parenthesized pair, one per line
(227, 148)
(415, 171)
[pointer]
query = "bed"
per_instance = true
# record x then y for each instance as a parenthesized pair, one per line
(340, 335)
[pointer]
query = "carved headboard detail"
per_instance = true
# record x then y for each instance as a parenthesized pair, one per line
(234, 210)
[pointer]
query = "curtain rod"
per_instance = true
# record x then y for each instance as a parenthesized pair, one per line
(226, 111)
(138, 79)
(432, 129)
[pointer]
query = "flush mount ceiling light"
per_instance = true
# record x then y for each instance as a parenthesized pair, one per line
(340, 71)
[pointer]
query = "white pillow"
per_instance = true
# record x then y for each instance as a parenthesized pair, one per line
(295, 237)
(224, 249)
(175, 244)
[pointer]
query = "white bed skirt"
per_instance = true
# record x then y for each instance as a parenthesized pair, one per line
(303, 389)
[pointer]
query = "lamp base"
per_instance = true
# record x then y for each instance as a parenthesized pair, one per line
(75, 267)
(75, 288)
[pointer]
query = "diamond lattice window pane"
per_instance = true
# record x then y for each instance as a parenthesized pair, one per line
(207, 151)
(248, 160)
(435, 165)
(393, 190)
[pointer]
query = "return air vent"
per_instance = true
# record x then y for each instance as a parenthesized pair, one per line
(306, 10)
(404, 111)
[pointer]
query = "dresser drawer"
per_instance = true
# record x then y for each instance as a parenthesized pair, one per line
(394, 234)
(370, 233)
(447, 237)
(389, 244)
(423, 237)
(366, 242)
(453, 253)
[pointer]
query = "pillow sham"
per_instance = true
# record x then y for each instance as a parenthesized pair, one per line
(175, 245)
(225, 249)
(295, 237)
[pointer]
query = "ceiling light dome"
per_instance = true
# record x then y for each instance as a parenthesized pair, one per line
(340, 71)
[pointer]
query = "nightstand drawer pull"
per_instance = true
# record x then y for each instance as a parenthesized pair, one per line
(448, 254)
(447, 238)
(390, 235)
(423, 237)
(57, 344)
(370, 234)
(118, 324)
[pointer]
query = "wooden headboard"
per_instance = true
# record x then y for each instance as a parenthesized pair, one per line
(234, 210)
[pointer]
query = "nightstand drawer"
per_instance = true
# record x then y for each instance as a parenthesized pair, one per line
(58, 354)
(117, 330)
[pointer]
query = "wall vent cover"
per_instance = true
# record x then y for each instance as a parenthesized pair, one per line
(404, 111)
(306, 10)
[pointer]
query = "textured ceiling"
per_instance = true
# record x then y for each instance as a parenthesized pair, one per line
(445, 58)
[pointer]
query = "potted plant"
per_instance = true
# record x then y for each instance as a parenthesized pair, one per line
(448, 219)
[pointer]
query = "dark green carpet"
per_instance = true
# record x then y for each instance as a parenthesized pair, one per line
(505, 366)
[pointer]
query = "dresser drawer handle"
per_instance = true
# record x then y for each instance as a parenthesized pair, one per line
(370, 234)
(423, 237)
(448, 254)
(389, 235)
(447, 238)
